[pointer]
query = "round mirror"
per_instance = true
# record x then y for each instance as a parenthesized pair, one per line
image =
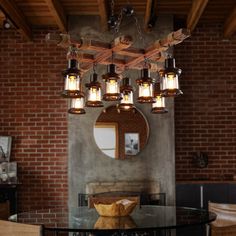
(122, 134)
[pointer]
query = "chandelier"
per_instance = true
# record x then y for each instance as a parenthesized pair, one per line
(119, 89)
(155, 84)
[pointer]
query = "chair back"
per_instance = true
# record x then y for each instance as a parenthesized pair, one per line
(4, 210)
(8, 228)
(225, 223)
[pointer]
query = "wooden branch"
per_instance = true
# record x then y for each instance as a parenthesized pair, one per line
(103, 14)
(195, 13)
(119, 44)
(147, 14)
(58, 13)
(161, 45)
(63, 40)
(131, 52)
(102, 57)
(17, 17)
(92, 51)
(230, 24)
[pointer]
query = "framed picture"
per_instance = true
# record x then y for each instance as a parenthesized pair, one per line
(5, 148)
(131, 143)
(8, 172)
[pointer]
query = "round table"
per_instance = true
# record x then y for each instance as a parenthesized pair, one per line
(142, 219)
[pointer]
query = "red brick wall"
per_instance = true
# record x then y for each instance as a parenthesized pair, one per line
(205, 116)
(34, 114)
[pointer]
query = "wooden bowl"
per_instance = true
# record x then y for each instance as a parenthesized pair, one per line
(122, 207)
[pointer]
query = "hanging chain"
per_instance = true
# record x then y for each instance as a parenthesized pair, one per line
(112, 57)
(94, 67)
(145, 62)
(140, 34)
(117, 22)
(72, 52)
(120, 17)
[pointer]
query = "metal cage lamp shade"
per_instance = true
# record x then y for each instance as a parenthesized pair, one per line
(94, 93)
(127, 102)
(112, 85)
(72, 84)
(170, 79)
(158, 107)
(145, 84)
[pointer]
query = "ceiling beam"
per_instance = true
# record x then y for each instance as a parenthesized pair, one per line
(195, 13)
(230, 24)
(2, 17)
(149, 14)
(14, 13)
(58, 13)
(103, 14)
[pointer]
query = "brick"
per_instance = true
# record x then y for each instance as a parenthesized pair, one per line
(208, 106)
(29, 96)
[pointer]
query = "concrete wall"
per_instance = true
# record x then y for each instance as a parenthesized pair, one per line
(87, 163)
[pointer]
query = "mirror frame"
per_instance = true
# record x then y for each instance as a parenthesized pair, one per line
(142, 137)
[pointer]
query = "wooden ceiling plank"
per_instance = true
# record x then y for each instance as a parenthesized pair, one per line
(103, 14)
(2, 18)
(58, 13)
(195, 13)
(17, 17)
(230, 24)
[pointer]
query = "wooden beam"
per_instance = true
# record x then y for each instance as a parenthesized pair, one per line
(195, 13)
(160, 45)
(147, 14)
(58, 13)
(150, 14)
(103, 14)
(125, 56)
(2, 18)
(16, 16)
(230, 24)
(65, 40)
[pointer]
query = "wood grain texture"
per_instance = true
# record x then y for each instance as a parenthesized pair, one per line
(53, 13)
(16, 16)
(230, 24)
(58, 13)
(18, 229)
(103, 14)
(121, 46)
(198, 6)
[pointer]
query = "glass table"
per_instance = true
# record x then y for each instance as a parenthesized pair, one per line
(144, 220)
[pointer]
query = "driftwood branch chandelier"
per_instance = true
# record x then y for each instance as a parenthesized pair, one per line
(85, 54)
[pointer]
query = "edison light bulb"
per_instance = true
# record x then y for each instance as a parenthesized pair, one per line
(145, 90)
(112, 86)
(71, 82)
(171, 81)
(78, 102)
(92, 94)
(158, 102)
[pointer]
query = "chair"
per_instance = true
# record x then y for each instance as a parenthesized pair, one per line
(4, 210)
(8, 228)
(225, 223)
